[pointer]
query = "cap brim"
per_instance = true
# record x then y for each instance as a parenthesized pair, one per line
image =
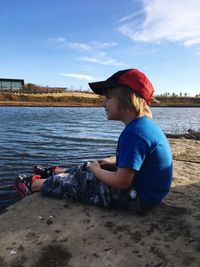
(100, 87)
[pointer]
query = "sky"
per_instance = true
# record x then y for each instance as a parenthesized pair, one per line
(68, 43)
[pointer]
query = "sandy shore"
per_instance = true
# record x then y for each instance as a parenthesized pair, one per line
(45, 232)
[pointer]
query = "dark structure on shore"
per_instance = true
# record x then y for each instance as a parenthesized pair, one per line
(11, 84)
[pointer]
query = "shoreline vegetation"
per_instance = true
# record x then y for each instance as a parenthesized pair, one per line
(83, 99)
(190, 134)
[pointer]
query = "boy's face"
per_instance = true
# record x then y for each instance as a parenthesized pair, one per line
(113, 111)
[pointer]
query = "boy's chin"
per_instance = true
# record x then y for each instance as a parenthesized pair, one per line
(111, 118)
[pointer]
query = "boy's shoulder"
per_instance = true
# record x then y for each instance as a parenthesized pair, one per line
(140, 124)
(144, 128)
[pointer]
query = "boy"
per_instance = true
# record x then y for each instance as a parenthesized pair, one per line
(142, 174)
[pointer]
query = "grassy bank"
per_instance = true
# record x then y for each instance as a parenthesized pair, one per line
(71, 99)
(169, 101)
(50, 99)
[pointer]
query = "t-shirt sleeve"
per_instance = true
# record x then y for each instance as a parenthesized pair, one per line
(132, 150)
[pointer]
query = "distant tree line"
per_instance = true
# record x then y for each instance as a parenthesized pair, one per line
(167, 94)
(35, 89)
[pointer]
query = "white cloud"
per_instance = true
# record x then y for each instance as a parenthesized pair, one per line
(165, 20)
(89, 49)
(108, 62)
(97, 45)
(130, 16)
(77, 76)
(61, 42)
(101, 58)
(77, 45)
(193, 42)
(60, 39)
(91, 45)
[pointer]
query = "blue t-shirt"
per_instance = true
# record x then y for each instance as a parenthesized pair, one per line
(143, 147)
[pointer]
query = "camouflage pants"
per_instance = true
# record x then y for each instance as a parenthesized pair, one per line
(80, 184)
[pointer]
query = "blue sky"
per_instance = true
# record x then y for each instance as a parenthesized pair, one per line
(68, 43)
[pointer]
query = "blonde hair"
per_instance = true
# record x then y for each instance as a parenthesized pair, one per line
(128, 100)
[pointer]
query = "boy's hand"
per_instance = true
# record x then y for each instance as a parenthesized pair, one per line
(94, 165)
(107, 165)
(102, 162)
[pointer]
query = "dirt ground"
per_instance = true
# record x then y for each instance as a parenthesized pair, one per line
(46, 232)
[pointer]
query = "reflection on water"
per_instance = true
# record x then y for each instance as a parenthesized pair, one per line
(60, 136)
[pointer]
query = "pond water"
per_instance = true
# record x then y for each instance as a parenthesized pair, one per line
(52, 136)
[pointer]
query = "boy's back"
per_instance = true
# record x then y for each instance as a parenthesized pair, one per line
(143, 147)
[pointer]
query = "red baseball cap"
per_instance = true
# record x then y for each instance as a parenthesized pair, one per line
(132, 78)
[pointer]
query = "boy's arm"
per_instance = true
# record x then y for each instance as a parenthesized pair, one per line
(121, 178)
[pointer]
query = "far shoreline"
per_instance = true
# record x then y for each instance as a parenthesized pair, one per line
(44, 104)
(76, 105)
(83, 99)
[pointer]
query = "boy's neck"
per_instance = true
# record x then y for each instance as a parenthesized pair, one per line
(128, 117)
